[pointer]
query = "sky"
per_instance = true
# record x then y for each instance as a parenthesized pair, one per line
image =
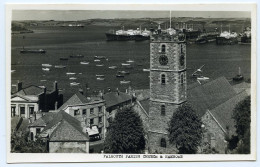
(105, 14)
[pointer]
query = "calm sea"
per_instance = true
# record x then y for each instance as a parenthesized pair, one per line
(91, 41)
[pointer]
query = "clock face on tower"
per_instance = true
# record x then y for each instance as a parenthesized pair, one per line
(163, 60)
(182, 59)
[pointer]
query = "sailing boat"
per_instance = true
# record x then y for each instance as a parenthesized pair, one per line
(238, 77)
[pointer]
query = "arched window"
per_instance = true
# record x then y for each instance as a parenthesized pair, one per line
(163, 110)
(163, 49)
(163, 142)
(163, 79)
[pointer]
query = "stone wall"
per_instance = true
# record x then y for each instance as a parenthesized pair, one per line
(214, 136)
(68, 147)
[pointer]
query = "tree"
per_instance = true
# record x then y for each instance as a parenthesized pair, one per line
(185, 130)
(125, 134)
(20, 144)
(242, 117)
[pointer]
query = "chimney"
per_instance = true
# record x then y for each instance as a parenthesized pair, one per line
(117, 91)
(45, 90)
(55, 86)
(81, 91)
(19, 86)
(56, 105)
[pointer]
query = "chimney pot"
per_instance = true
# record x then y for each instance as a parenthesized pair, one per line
(19, 86)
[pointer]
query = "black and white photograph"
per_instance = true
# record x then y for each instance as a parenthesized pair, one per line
(131, 84)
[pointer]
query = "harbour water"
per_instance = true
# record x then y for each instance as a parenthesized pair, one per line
(90, 41)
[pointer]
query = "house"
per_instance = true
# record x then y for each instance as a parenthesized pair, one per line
(114, 101)
(62, 132)
(89, 111)
(26, 101)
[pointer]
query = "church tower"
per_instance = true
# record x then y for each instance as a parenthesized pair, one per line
(168, 85)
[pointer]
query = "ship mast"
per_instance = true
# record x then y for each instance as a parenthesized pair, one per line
(229, 28)
(170, 19)
(239, 71)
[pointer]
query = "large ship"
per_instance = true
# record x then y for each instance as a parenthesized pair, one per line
(245, 37)
(32, 51)
(126, 35)
(227, 38)
(207, 37)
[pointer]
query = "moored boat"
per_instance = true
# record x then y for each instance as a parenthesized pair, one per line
(124, 82)
(96, 60)
(123, 72)
(125, 64)
(59, 66)
(84, 62)
(70, 73)
(46, 65)
(99, 75)
(130, 61)
(32, 51)
(100, 78)
(74, 83)
(120, 76)
(72, 78)
(112, 67)
(46, 69)
(99, 57)
(77, 56)
(64, 58)
(238, 77)
(99, 65)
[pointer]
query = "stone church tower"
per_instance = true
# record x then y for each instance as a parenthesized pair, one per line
(168, 85)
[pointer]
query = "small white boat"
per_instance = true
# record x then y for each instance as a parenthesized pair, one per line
(74, 83)
(72, 78)
(98, 75)
(12, 71)
(146, 70)
(100, 57)
(130, 61)
(84, 62)
(43, 80)
(59, 66)
(124, 72)
(112, 67)
(124, 82)
(96, 60)
(70, 73)
(80, 73)
(45, 69)
(100, 78)
(46, 65)
(126, 64)
(99, 65)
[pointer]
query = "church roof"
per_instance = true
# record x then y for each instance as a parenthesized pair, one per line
(223, 112)
(209, 95)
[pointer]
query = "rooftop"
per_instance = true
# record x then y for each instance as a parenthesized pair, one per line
(115, 98)
(31, 90)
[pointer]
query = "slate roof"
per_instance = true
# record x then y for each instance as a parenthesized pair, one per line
(44, 120)
(242, 86)
(145, 104)
(115, 98)
(77, 98)
(223, 112)
(209, 95)
(31, 90)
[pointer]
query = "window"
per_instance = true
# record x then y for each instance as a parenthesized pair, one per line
(92, 111)
(163, 142)
(163, 79)
(12, 111)
(84, 112)
(100, 109)
(76, 112)
(181, 49)
(163, 110)
(31, 110)
(22, 110)
(182, 80)
(31, 135)
(38, 130)
(163, 49)
(100, 119)
(91, 121)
